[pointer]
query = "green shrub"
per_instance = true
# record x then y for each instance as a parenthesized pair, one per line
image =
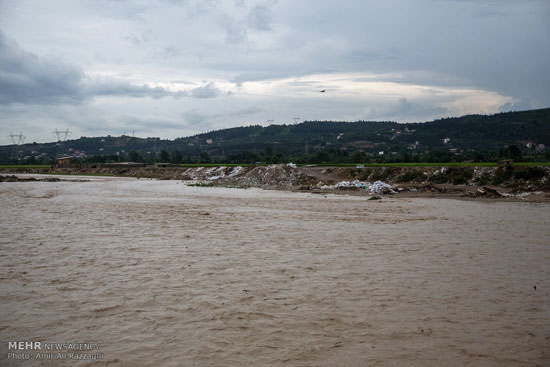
(378, 174)
(460, 180)
(531, 173)
(364, 174)
(468, 174)
(410, 175)
(502, 174)
(482, 180)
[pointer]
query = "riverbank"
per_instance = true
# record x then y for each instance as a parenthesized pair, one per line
(502, 182)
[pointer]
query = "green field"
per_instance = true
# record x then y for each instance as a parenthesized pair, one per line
(453, 164)
(190, 165)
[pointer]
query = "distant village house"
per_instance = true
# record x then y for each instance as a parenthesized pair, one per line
(63, 161)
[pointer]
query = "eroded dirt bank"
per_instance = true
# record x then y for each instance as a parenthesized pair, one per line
(513, 182)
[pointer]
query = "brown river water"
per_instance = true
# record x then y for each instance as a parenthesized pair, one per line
(157, 273)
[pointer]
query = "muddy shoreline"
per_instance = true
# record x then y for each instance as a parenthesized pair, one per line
(478, 183)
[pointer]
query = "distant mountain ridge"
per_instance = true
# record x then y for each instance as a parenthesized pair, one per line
(472, 133)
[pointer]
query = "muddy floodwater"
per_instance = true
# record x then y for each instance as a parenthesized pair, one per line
(157, 273)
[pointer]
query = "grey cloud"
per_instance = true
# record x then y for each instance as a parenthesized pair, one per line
(497, 46)
(239, 79)
(137, 40)
(29, 79)
(247, 111)
(404, 108)
(206, 91)
(183, 82)
(260, 18)
(235, 32)
(175, 2)
(124, 89)
(490, 45)
(166, 53)
(129, 122)
(267, 75)
(171, 51)
(195, 117)
(25, 77)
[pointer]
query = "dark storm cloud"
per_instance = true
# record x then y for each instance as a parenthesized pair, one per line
(29, 79)
(25, 78)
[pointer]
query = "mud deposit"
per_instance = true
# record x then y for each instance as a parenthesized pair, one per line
(162, 274)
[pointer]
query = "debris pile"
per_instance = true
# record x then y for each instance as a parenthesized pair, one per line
(210, 173)
(276, 175)
(378, 187)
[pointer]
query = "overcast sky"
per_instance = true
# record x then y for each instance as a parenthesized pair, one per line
(176, 68)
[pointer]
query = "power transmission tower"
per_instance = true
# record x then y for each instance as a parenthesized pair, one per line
(61, 138)
(62, 135)
(270, 121)
(296, 119)
(220, 141)
(253, 140)
(17, 139)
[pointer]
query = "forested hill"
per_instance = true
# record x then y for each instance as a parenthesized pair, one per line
(472, 136)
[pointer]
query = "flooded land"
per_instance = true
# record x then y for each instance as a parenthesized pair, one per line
(157, 273)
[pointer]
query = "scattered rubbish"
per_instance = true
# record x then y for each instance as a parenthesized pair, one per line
(521, 194)
(440, 171)
(488, 192)
(235, 171)
(378, 187)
